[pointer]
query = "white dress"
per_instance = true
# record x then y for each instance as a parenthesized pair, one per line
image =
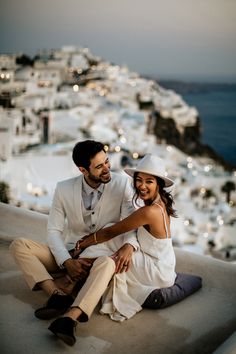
(152, 267)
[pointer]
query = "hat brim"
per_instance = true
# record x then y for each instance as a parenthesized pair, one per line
(131, 171)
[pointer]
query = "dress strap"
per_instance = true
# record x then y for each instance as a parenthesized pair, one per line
(164, 218)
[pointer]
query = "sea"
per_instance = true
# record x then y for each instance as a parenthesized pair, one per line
(216, 104)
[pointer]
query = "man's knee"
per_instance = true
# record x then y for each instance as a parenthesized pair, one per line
(106, 262)
(17, 245)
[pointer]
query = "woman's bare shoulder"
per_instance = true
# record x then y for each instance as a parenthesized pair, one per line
(153, 211)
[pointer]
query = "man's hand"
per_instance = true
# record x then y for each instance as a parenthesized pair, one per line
(78, 269)
(123, 257)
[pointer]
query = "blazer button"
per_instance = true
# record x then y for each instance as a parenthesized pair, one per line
(93, 225)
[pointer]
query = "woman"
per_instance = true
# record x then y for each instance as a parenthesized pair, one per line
(153, 266)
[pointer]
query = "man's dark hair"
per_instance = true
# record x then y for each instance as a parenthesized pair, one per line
(84, 151)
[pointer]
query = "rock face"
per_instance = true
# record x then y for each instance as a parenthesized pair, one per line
(188, 141)
(166, 129)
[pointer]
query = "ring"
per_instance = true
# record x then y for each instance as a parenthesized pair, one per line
(125, 265)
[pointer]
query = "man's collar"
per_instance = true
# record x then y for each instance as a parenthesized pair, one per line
(88, 190)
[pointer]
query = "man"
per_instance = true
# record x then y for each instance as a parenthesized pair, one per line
(83, 204)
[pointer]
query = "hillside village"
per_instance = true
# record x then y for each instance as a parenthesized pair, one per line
(62, 96)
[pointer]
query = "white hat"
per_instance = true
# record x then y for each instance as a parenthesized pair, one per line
(152, 165)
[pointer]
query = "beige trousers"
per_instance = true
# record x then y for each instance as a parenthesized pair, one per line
(99, 277)
(37, 262)
(34, 259)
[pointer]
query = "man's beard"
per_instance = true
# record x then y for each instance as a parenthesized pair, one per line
(100, 179)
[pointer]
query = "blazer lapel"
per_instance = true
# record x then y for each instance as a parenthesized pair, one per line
(78, 200)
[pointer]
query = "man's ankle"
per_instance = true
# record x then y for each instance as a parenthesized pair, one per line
(58, 292)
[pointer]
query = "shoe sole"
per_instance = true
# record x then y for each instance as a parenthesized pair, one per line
(67, 339)
(64, 337)
(48, 314)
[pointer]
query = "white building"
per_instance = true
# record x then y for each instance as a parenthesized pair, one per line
(6, 137)
(8, 61)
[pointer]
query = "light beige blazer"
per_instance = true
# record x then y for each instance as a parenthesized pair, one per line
(66, 223)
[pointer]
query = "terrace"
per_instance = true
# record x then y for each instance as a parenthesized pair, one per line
(204, 322)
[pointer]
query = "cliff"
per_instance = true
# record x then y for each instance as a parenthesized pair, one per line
(188, 140)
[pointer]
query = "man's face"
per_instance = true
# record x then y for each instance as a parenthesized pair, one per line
(99, 170)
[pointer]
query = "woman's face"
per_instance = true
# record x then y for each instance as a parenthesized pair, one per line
(147, 186)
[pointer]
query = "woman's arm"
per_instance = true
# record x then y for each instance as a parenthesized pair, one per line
(140, 217)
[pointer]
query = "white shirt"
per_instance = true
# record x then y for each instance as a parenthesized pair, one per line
(90, 195)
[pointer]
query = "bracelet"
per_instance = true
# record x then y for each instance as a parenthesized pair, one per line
(95, 237)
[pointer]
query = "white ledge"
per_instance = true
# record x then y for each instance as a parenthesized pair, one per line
(201, 323)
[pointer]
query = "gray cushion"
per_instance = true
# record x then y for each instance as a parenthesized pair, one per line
(185, 285)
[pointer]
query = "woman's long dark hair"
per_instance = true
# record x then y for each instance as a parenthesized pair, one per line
(166, 197)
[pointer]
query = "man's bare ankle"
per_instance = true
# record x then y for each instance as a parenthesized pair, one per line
(59, 292)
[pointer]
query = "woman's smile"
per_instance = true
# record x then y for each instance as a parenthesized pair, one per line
(143, 193)
(146, 186)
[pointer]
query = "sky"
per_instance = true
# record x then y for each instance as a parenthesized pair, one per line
(165, 39)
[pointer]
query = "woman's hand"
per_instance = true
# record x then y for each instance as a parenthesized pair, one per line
(86, 241)
(123, 257)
